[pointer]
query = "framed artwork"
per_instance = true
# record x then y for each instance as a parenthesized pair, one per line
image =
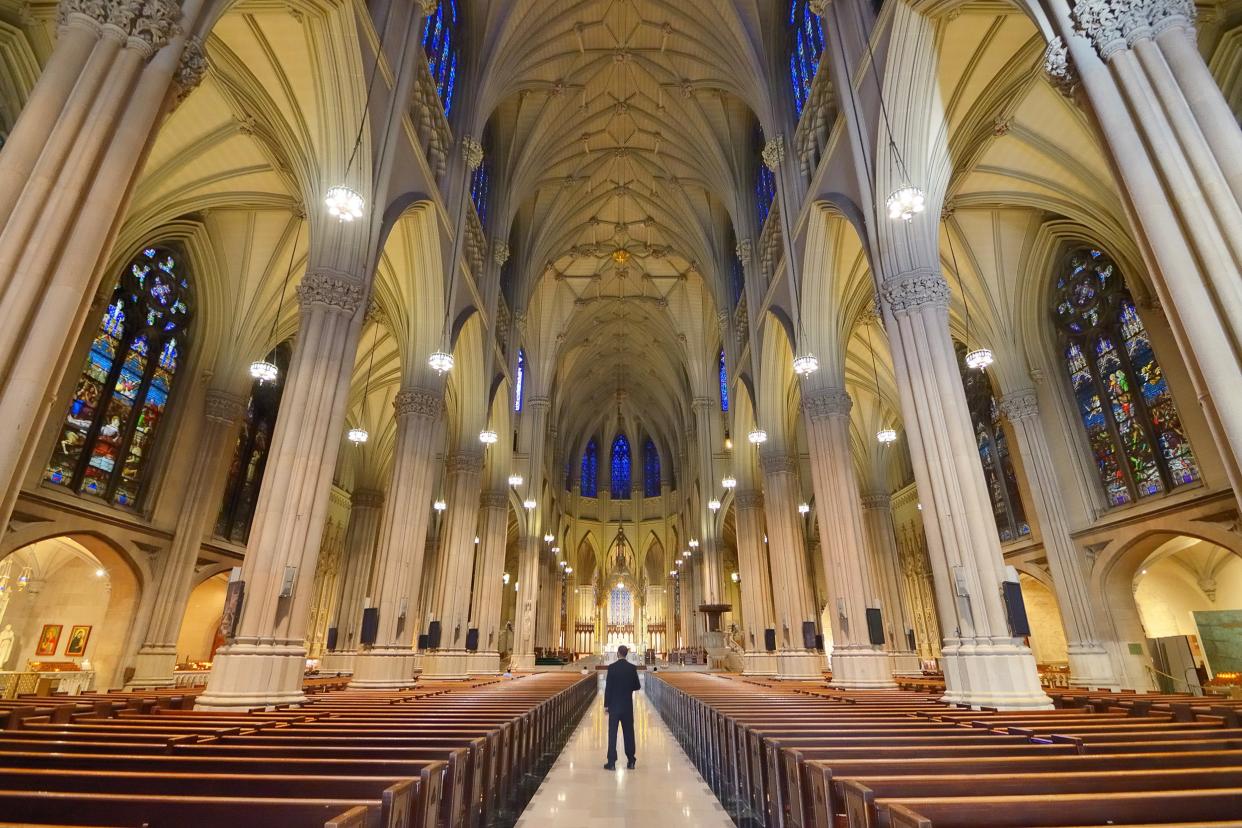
(233, 595)
(79, 634)
(48, 639)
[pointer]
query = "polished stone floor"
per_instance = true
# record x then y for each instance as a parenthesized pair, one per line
(664, 790)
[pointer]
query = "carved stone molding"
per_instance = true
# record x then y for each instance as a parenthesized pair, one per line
(427, 7)
(91, 13)
(1169, 14)
(191, 70)
(467, 461)
(146, 25)
(774, 152)
(500, 252)
(494, 499)
(418, 402)
(827, 402)
(818, 7)
(223, 407)
(914, 291)
(367, 499)
(543, 403)
(1115, 25)
(471, 152)
(1019, 405)
(1058, 69)
(877, 500)
(778, 463)
(702, 403)
(748, 499)
(744, 248)
(331, 291)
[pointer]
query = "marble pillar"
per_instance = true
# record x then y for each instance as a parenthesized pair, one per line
(488, 581)
(1090, 662)
(756, 583)
(857, 662)
(984, 663)
(882, 548)
(154, 662)
(791, 579)
(712, 583)
(360, 538)
(389, 663)
(530, 537)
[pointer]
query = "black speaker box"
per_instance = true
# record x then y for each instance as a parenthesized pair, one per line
(433, 635)
(1015, 608)
(808, 635)
(472, 639)
(769, 639)
(910, 640)
(331, 639)
(875, 626)
(422, 641)
(819, 641)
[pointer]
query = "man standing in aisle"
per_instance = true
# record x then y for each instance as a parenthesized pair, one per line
(619, 687)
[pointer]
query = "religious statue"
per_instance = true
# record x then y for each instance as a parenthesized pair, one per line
(6, 644)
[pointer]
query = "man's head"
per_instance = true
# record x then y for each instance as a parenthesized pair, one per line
(623, 651)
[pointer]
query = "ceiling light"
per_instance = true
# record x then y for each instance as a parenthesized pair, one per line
(476, 539)
(440, 362)
(529, 503)
(714, 505)
(806, 365)
(505, 577)
(886, 436)
(561, 564)
(343, 203)
(757, 436)
(515, 480)
(264, 371)
(556, 550)
(735, 577)
(673, 572)
(904, 203)
(357, 435)
(680, 562)
(620, 585)
(439, 505)
(569, 570)
(488, 436)
(979, 359)
(99, 573)
(693, 543)
(804, 508)
(548, 538)
(685, 553)
(729, 481)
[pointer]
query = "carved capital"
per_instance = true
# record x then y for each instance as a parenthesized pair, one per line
(818, 7)
(367, 499)
(471, 152)
(466, 461)
(1058, 69)
(191, 69)
(332, 291)
(1115, 25)
(92, 14)
(494, 499)
(827, 402)
(774, 152)
(877, 500)
(418, 402)
(744, 248)
(1170, 14)
(540, 403)
(778, 463)
(702, 404)
(147, 25)
(748, 499)
(222, 407)
(500, 252)
(914, 291)
(1019, 405)
(427, 7)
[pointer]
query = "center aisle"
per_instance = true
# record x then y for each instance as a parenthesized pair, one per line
(664, 788)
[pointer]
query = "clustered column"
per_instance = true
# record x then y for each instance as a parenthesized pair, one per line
(882, 546)
(756, 583)
(365, 510)
(488, 584)
(530, 537)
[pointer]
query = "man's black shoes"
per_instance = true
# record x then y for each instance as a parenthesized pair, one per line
(630, 765)
(610, 766)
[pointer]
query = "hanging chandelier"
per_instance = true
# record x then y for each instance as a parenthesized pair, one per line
(757, 436)
(979, 359)
(344, 204)
(886, 436)
(714, 505)
(693, 543)
(264, 371)
(729, 482)
(515, 480)
(529, 503)
(439, 505)
(804, 508)
(904, 203)
(440, 362)
(806, 365)
(488, 437)
(357, 435)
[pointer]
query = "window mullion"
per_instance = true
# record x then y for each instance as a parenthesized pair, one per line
(1106, 407)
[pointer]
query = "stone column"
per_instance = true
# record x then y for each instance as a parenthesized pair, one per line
(984, 664)
(531, 536)
(857, 663)
(1090, 663)
(488, 583)
(790, 577)
(709, 551)
(154, 663)
(462, 479)
(264, 663)
(756, 583)
(882, 547)
(398, 568)
(360, 539)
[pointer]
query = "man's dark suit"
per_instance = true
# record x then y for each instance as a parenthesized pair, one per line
(619, 687)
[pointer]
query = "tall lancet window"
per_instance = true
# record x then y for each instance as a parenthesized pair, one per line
(241, 494)
(993, 448)
(724, 383)
(765, 182)
(620, 467)
(519, 380)
(441, 36)
(806, 46)
(123, 390)
(481, 187)
(651, 469)
(1136, 436)
(588, 484)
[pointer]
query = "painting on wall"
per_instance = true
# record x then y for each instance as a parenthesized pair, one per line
(1220, 632)
(79, 634)
(48, 639)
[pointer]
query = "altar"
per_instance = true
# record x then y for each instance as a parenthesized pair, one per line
(610, 652)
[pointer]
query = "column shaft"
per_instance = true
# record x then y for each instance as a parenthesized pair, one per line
(452, 601)
(536, 419)
(790, 576)
(365, 510)
(488, 581)
(756, 583)
(882, 543)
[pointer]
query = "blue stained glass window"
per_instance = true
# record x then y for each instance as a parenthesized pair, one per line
(737, 272)
(765, 192)
(620, 467)
(123, 388)
(480, 188)
(724, 383)
(588, 485)
(651, 469)
(805, 32)
(441, 30)
(1133, 428)
(519, 380)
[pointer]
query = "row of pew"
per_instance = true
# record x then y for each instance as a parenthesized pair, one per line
(446, 755)
(802, 755)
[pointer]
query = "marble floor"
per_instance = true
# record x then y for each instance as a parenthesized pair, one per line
(665, 789)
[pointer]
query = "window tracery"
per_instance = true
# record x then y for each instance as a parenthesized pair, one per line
(620, 467)
(441, 32)
(588, 483)
(651, 469)
(806, 46)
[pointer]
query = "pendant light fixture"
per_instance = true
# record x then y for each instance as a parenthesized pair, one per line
(885, 435)
(488, 437)
(358, 435)
(757, 436)
(980, 358)
(729, 482)
(344, 203)
(264, 370)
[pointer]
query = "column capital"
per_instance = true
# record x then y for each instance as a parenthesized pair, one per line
(827, 402)
(191, 69)
(366, 499)
(466, 461)
(418, 402)
(471, 152)
(1058, 69)
(539, 403)
(702, 403)
(744, 248)
(774, 152)
(1020, 405)
(748, 499)
(877, 500)
(500, 252)
(222, 407)
(334, 291)
(494, 499)
(777, 463)
(819, 7)
(915, 290)
(428, 7)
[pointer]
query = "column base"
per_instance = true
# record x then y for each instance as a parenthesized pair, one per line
(383, 668)
(446, 665)
(522, 661)
(906, 663)
(862, 668)
(1092, 667)
(341, 661)
(483, 664)
(799, 664)
(759, 664)
(254, 675)
(153, 667)
(991, 673)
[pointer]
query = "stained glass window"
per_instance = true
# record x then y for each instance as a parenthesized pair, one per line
(588, 484)
(724, 383)
(651, 469)
(241, 493)
(765, 182)
(620, 606)
(737, 273)
(806, 46)
(1133, 428)
(480, 188)
(519, 380)
(993, 446)
(620, 467)
(124, 386)
(441, 33)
